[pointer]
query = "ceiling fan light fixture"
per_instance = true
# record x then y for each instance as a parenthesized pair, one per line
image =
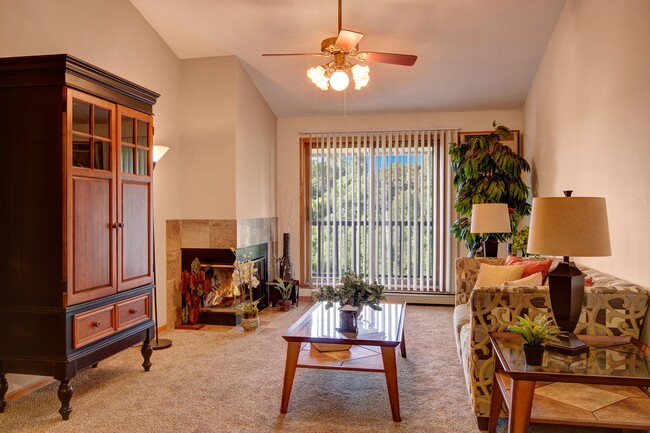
(317, 76)
(360, 75)
(339, 80)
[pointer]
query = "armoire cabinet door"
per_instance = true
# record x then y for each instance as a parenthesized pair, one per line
(135, 242)
(91, 204)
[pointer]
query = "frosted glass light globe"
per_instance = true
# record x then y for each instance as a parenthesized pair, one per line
(339, 80)
(360, 75)
(317, 76)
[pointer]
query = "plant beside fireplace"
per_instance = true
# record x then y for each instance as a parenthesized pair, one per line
(245, 277)
(286, 289)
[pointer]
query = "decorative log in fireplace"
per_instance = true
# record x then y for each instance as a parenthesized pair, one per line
(218, 264)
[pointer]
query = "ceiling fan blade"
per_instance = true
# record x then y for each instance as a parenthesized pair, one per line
(393, 59)
(292, 54)
(348, 39)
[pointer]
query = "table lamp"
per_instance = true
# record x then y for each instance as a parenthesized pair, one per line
(488, 218)
(568, 226)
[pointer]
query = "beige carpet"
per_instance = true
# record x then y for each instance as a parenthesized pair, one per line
(222, 380)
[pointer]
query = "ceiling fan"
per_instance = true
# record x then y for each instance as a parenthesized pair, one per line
(343, 47)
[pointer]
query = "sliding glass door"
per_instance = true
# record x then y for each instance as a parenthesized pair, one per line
(379, 204)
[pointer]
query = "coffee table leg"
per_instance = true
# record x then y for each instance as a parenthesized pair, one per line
(523, 392)
(390, 369)
(402, 345)
(293, 349)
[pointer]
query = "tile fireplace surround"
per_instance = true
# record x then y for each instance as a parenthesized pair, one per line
(210, 234)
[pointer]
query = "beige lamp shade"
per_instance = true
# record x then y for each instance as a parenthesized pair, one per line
(158, 152)
(569, 226)
(490, 218)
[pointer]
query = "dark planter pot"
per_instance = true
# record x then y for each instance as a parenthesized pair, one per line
(285, 304)
(348, 321)
(533, 355)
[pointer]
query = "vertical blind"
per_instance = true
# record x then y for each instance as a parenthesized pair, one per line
(380, 206)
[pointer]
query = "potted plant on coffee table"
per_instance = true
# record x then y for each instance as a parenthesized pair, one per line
(354, 292)
(535, 333)
(286, 289)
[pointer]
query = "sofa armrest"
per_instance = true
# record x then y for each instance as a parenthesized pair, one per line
(607, 310)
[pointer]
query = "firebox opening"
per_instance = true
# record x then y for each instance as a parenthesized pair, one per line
(218, 265)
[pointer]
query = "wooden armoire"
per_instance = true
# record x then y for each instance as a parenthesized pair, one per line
(76, 240)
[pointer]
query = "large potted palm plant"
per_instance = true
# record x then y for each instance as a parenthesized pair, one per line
(487, 171)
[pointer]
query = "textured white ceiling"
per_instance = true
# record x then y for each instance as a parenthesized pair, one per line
(472, 54)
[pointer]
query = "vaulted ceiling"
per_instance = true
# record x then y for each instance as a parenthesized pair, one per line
(472, 54)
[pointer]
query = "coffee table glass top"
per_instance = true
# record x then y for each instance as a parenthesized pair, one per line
(615, 357)
(374, 327)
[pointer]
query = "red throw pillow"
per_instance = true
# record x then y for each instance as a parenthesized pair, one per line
(531, 266)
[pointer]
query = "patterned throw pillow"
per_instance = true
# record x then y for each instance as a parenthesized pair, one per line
(491, 276)
(530, 266)
(529, 281)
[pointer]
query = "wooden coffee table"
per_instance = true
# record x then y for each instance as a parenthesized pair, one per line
(373, 347)
(606, 387)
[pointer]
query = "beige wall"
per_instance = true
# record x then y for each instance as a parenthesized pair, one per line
(207, 123)
(110, 34)
(586, 122)
(289, 129)
(255, 150)
(228, 133)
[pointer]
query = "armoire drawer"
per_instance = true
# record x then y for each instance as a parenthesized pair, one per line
(132, 311)
(92, 325)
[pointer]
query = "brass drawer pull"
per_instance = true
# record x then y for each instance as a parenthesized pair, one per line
(97, 324)
(133, 311)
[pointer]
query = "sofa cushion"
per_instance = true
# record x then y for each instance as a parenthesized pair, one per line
(529, 281)
(491, 276)
(530, 266)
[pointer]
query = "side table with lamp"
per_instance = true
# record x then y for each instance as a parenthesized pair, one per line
(488, 218)
(568, 226)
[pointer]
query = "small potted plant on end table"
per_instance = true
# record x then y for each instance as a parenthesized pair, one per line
(286, 289)
(535, 334)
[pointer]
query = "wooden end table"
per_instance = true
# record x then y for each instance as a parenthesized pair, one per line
(373, 347)
(604, 387)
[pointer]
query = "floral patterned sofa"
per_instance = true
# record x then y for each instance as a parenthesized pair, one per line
(611, 307)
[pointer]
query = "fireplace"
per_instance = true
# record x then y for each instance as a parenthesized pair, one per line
(217, 263)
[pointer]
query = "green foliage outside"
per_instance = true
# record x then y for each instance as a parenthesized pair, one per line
(341, 191)
(486, 171)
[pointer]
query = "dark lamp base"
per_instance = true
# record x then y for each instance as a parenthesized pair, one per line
(490, 247)
(160, 344)
(569, 344)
